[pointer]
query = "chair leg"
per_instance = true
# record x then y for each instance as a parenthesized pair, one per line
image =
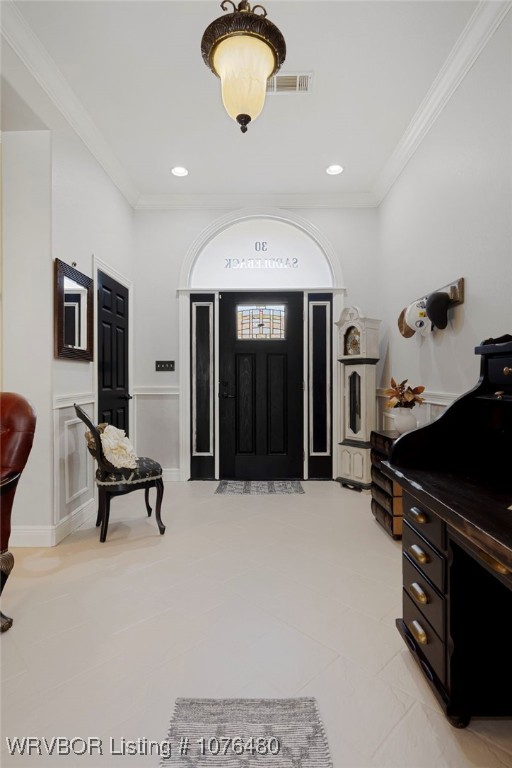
(105, 504)
(146, 497)
(99, 516)
(159, 497)
(6, 566)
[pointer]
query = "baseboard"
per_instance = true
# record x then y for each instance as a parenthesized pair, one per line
(50, 535)
(31, 536)
(171, 474)
(74, 521)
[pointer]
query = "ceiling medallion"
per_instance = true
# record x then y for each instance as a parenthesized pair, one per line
(243, 49)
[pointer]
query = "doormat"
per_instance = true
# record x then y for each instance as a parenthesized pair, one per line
(259, 487)
(282, 733)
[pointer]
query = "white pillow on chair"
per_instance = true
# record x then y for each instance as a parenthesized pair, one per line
(117, 448)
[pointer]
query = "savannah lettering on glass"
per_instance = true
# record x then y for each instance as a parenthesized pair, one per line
(261, 246)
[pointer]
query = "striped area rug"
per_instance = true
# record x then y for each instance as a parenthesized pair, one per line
(259, 487)
(278, 733)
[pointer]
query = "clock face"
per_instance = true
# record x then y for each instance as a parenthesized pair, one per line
(353, 341)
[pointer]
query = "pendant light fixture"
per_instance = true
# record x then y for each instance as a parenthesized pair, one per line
(243, 49)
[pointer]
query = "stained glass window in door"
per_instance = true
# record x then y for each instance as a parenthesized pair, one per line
(260, 322)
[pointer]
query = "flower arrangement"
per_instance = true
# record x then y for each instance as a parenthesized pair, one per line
(400, 396)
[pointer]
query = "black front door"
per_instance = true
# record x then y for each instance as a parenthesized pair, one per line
(261, 386)
(113, 392)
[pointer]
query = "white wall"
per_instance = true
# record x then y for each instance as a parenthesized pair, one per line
(449, 215)
(58, 203)
(28, 309)
(162, 240)
(354, 235)
(89, 216)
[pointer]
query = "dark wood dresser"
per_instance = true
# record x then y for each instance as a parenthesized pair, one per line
(386, 493)
(456, 475)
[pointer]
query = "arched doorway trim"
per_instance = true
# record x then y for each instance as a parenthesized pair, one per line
(286, 217)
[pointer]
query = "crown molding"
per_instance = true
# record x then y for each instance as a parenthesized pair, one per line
(27, 46)
(484, 21)
(230, 202)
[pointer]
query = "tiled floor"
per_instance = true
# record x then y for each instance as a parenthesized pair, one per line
(244, 596)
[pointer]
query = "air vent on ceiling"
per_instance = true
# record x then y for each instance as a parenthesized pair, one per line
(290, 83)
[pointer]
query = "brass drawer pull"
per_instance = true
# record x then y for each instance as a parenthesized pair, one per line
(418, 632)
(507, 371)
(417, 515)
(418, 554)
(494, 564)
(419, 595)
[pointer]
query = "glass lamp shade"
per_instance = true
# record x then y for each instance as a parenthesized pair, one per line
(244, 63)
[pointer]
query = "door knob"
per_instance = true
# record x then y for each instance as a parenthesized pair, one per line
(228, 397)
(126, 397)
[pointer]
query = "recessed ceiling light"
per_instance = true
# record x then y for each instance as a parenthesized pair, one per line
(179, 171)
(334, 170)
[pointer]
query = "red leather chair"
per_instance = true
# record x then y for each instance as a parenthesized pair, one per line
(17, 427)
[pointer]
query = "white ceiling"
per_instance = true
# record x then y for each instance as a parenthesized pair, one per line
(136, 69)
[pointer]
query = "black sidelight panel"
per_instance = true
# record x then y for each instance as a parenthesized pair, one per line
(320, 386)
(202, 387)
(203, 383)
(319, 381)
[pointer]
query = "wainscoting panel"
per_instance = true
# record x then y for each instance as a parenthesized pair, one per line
(157, 420)
(74, 467)
(77, 471)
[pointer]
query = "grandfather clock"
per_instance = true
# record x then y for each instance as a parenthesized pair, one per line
(358, 354)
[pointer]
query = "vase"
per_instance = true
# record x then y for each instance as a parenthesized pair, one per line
(404, 419)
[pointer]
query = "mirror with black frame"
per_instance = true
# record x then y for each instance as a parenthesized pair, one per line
(73, 313)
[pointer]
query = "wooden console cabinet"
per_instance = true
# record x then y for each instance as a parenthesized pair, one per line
(386, 501)
(457, 544)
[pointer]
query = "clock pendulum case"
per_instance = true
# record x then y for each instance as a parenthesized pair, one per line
(358, 350)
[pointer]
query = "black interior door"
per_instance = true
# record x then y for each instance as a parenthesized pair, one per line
(261, 386)
(113, 395)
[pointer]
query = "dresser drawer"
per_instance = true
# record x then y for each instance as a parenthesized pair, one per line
(383, 441)
(376, 459)
(426, 558)
(382, 481)
(500, 372)
(392, 504)
(425, 596)
(425, 639)
(392, 523)
(424, 521)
